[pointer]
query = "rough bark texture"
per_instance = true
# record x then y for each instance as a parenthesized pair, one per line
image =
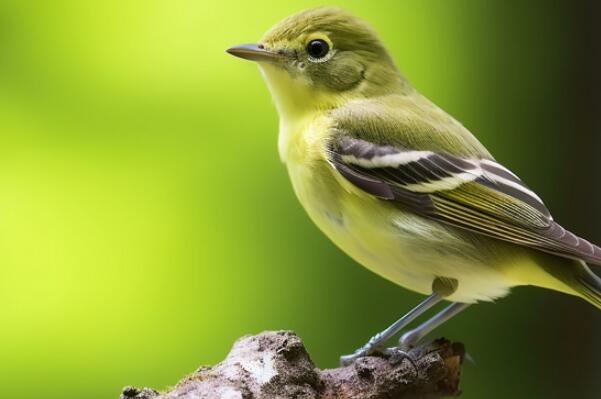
(275, 364)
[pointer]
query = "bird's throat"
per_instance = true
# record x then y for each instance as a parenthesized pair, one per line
(297, 102)
(294, 97)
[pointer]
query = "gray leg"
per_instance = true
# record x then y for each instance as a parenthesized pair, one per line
(377, 340)
(411, 338)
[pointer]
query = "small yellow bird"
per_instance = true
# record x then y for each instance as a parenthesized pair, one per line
(400, 185)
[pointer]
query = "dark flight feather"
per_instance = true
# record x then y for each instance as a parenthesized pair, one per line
(476, 194)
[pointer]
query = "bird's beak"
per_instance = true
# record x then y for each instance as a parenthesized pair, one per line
(254, 52)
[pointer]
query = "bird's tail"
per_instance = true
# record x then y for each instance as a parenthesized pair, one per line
(588, 285)
(569, 276)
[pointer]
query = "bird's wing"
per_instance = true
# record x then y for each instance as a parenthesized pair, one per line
(470, 192)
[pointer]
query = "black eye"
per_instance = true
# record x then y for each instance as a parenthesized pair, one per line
(318, 48)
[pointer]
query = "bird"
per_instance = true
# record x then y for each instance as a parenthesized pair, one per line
(401, 186)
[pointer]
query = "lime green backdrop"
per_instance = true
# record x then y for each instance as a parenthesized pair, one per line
(146, 221)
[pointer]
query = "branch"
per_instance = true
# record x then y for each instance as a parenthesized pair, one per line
(275, 364)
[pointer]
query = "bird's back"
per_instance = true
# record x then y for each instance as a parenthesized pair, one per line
(395, 119)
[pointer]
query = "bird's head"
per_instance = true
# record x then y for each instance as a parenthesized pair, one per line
(320, 58)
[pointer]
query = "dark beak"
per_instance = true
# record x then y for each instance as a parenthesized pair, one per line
(254, 52)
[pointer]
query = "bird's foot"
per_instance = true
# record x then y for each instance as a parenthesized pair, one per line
(366, 350)
(394, 354)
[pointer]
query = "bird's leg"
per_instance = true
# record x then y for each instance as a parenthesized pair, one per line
(375, 343)
(412, 337)
(441, 288)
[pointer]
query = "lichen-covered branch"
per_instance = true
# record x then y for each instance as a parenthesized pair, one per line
(275, 364)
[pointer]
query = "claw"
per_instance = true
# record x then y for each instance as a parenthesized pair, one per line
(367, 350)
(397, 355)
(347, 360)
(470, 359)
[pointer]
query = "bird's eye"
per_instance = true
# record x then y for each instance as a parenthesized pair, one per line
(318, 48)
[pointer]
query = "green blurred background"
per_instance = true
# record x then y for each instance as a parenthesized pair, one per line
(147, 222)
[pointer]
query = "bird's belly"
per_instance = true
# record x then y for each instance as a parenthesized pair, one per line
(401, 246)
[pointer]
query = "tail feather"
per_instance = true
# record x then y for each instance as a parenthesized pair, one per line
(588, 285)
(571, 276)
